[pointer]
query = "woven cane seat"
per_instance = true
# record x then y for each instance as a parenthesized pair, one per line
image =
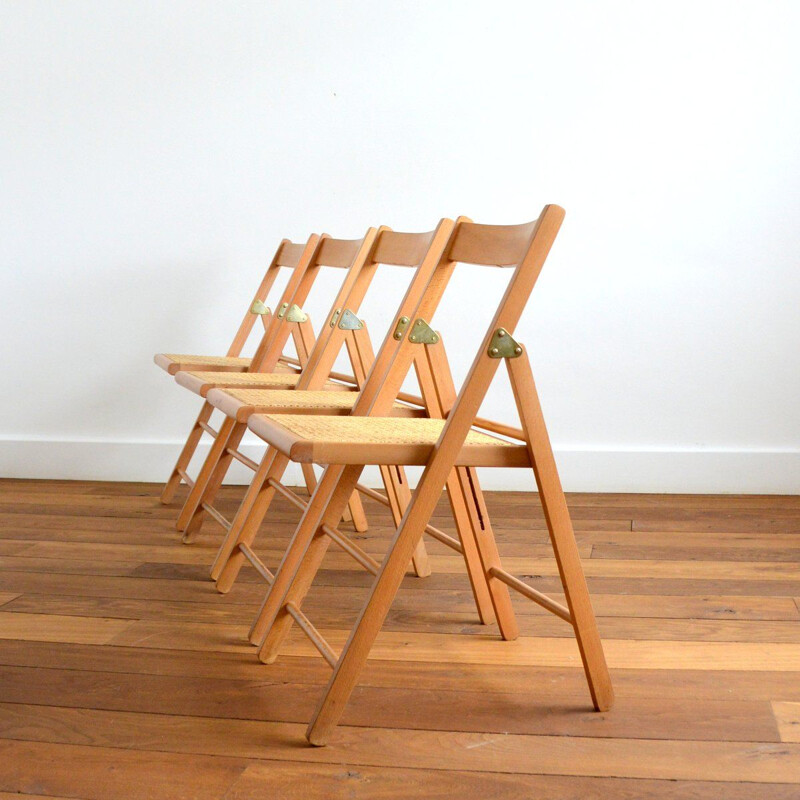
(239, 404)
(377, 440)
(174, 362)
(202, 382)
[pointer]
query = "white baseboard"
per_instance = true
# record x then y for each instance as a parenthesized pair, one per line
(671, 471)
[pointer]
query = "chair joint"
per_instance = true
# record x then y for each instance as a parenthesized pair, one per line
(350, 322)
(422, 333)
(296, 314)
(259, 308)
(503, 345)
(400, 329)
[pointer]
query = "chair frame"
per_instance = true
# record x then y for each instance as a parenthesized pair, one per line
(525, 248)
(288, 254)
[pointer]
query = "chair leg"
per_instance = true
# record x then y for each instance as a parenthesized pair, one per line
(355, 509)
(480, 548)
(181, 465)
(309, 478)
(210, 478)
(399, 496)
(384, 589)
(355, 652)
(561, 532)
(248, 519)
(327, 504)
(357, 514)
(492, 597)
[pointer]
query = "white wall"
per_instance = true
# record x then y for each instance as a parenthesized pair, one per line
(153, 153)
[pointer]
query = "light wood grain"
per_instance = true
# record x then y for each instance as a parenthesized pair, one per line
(102, 773)
(486, 649)
(178, 699)
(787, 715)
(309, 781)
(759, 762)
(60, 628)
(7, 597)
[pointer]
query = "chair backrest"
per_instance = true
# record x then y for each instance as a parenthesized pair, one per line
(362, 258)
(528, 260)
(383, 246)
(287, 256)
(320, 251)
(523, 247)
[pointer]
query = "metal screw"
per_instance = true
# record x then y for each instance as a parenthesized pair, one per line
(500, 333)
(518, 350)
(413, 338)
(404, 320)
(494, 351)
(435, 339)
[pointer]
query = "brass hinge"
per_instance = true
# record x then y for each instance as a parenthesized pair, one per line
(350, 322)
(402, 324)
(296, 314)
(335, 316)
(259, 308)
(503, 345)
(422, 333)
(282, 310)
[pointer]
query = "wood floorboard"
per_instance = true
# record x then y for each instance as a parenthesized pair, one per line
(442, 676)
(312, 781)
(787, 715)
(124, 674)
(673, 759)
(534, 710)
(439, 605)
(456, 616)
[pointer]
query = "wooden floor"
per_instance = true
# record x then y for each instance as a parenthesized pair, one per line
(125, 675)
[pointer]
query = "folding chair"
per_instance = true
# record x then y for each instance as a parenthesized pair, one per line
(466, 499)
(289, 255)
(349, 443)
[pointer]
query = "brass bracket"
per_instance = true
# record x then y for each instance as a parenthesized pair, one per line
(282, 310)
(296, 314)
(503, 345)
(259, 308)
(350, 322)
(422, 333)
(335, 316)
(402, 324)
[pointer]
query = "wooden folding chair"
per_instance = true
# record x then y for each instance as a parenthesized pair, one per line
(442, 446)
(466, 499)
(289, 255)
